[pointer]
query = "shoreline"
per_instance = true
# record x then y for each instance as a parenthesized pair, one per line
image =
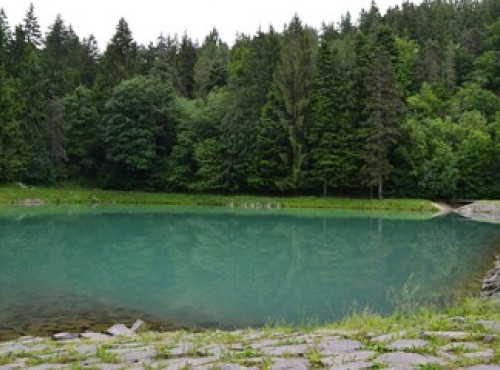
(462, 336)
(50, 196)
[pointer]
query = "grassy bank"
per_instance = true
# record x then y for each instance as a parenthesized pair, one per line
(18, 195)
(425, 339)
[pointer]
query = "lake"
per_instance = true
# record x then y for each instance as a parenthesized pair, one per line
(74, 268)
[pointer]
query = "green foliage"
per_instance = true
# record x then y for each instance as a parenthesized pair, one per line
(425, 103)
(138, 127)
(291, 90)
(81, 117)
(119, 61)
(406, 102)
(383, 109)
(61, 59)
(210, 70)
(331, 139)
(471, 97)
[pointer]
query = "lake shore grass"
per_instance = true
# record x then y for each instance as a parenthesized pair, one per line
(463, 335)
(17, 195)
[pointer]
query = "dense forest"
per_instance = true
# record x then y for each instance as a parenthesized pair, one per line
(404, 104)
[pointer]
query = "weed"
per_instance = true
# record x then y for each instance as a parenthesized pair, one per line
(314, 357)
(7, 359)
(106, 356)
(246, 353)
(431, 367)
(163, 352)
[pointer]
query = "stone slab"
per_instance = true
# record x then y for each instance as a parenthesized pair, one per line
(384, 338)
(120, 330)
(291, 363)
(295, 350)
(338, 346)
(407, 344)
(402, 360)
(448, 335)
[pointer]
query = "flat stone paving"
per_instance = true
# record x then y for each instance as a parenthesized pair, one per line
(463, 348)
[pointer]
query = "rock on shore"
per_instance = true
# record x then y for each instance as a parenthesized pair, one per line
(481, 211)
(491, 283)
(461, 344)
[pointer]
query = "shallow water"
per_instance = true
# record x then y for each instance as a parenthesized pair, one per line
(74, 268)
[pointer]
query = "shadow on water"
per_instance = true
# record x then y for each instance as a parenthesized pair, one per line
(194, 268)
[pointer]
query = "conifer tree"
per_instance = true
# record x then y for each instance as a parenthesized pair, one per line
(32, 28)
(330, 140)
(251, 69)
(291, 88)
(89, 60)
(383, 108)
(118, 62)
(187, 60)
(210, 69)
(61, 59)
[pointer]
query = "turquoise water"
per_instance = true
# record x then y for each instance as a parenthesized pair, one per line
(68, 268)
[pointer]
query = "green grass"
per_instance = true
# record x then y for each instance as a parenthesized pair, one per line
(105, 356)
(16, 195)
(366, 325)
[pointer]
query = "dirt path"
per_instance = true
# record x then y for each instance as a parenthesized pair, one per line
(444, 208)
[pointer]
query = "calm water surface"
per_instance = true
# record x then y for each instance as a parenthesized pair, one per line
(72, 269)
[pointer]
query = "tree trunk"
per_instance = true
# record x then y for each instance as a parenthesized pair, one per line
(380, 188)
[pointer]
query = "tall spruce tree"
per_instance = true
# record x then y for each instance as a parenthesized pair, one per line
(383, 108)
(291, 88)
(210, 70)
(330, 139)
(13, 149)
(186, 61)
(89, 60)
(32, 28)
(61, 59)
(81, 116)
(251, 69)
(118, 62)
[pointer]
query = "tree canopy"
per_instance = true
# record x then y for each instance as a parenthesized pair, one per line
(403, 105)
